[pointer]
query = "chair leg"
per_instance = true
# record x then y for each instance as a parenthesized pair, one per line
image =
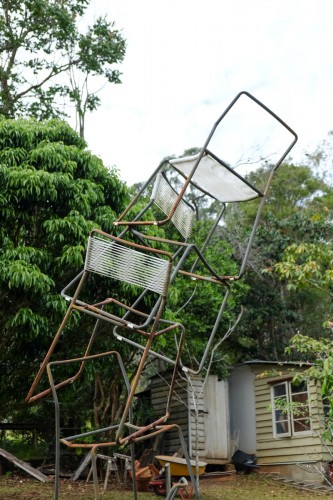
(89, 474)
(188, 462)
(107, 475)
(169, 427)
(94, 469)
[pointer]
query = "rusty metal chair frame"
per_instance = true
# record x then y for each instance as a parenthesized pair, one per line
(167, 359)
(227, 184)
(130, 253)
(136, 433)
(177, 269)
(174, 207)
(158, 326)
(212, 177)
(58, 438)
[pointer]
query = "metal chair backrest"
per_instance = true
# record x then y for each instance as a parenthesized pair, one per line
(108, 258)
(164, 196)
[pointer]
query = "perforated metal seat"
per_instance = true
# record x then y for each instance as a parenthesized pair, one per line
(166, 198)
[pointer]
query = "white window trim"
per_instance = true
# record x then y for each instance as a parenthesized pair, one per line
(275, 422)
(289, 417)
(305, 432)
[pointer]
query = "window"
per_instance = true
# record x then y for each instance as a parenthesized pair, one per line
(290, 409)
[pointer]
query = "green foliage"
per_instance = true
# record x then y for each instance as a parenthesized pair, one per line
(319, 353)
(306, 265)
(52, 193)
(297, 408)
(40, 41)
(302, 267)
(21, 275)
(196, 304)
(293, 238)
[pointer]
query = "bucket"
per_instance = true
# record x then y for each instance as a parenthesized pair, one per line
(142, 484)
(143, 477)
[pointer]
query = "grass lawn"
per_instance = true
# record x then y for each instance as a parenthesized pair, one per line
(252, 487)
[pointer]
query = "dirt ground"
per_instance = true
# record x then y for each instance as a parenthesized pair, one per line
(235, 487)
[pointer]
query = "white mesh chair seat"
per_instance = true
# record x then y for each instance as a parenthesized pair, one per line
(216, 179)
(108, 258)
(165, 197)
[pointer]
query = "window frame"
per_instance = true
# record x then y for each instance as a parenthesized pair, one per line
(290, 417)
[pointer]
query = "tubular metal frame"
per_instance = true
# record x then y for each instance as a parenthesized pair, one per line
(121, 222)
(97, 311)
(65, 441)
(152, 324)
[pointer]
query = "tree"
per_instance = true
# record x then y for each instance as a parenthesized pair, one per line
(318, 352)
(299, 256)
(43, 52)
(293, 215)
(307, 268)
(196, 306)
(53, 191)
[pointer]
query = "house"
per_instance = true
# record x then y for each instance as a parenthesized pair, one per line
(286, 442)
(205, 431)
(217, 414)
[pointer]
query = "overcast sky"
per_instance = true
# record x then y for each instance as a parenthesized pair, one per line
(187, 59)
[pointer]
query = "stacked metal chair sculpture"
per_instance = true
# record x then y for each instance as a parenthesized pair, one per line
(150, 262)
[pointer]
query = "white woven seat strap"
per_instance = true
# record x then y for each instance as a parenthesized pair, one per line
(214, 178)
(122, 263)
(164, 197)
